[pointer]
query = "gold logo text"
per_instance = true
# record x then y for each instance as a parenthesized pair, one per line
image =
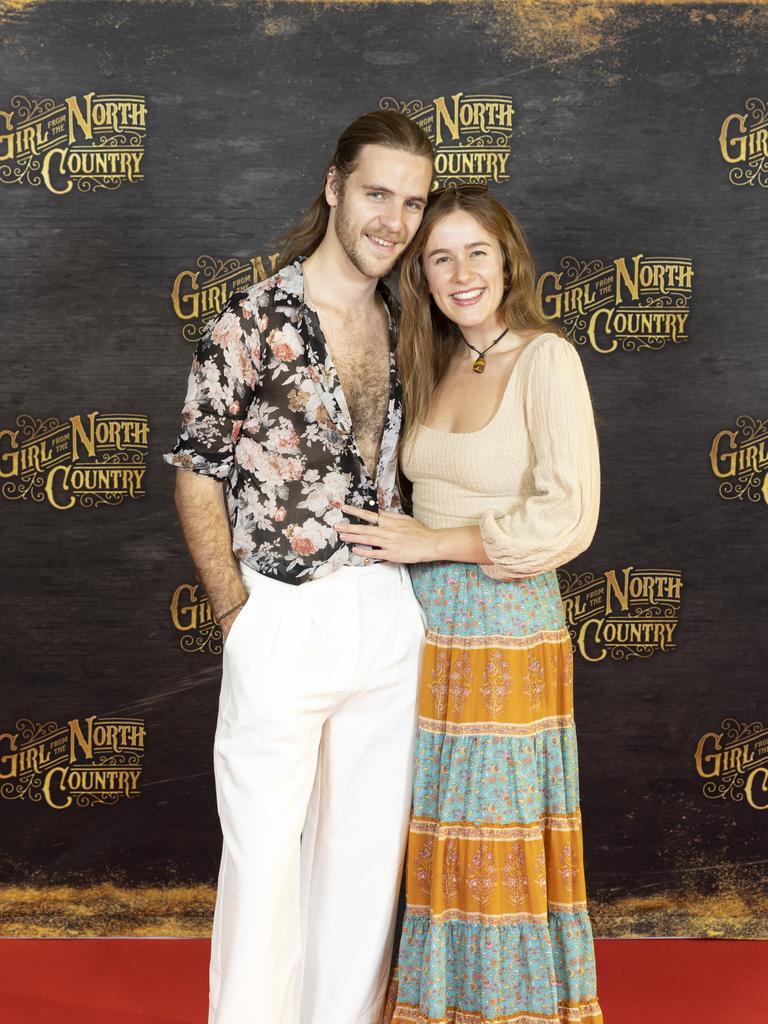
(734, 761)
(635, 304)
(89, 761)
(87, 142)
(98, 459)
(630, 613)
(471, 135)
(743, 142)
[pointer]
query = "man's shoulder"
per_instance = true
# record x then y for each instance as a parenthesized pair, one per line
(284, 288)
(267, 305)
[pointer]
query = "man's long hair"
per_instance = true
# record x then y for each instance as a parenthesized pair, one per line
(428, 339)
(377, 128)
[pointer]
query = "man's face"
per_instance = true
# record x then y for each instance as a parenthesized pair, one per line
(378, 209)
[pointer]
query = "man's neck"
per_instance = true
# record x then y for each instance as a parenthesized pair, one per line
(334, 282)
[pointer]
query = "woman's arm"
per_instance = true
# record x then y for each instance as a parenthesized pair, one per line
(392, 537)
(557, 520)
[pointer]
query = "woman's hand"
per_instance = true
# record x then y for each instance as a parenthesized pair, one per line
(389, 536)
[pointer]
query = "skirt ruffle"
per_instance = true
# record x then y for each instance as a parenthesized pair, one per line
(496, 927)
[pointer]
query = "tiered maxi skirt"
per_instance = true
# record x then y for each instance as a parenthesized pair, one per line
(496, 926)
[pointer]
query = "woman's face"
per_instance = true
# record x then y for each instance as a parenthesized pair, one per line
(464, 268)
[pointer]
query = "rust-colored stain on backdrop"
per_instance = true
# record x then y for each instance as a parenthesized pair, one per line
(186, 911)
(544, 30)
(547, 30)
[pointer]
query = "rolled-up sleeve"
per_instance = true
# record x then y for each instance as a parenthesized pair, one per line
(557, 521)
(226, 371)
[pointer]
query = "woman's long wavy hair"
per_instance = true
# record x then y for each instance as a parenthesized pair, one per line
(377, 128)
(428, 339)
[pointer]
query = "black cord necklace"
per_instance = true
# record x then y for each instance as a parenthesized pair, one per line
(479, 364)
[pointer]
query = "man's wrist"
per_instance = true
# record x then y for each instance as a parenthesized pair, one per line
(230, 611)
(227, 602)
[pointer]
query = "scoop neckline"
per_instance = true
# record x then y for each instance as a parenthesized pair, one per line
(474, 433)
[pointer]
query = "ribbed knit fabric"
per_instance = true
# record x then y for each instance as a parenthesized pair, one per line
(530, 478)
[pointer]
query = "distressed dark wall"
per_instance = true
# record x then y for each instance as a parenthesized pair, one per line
(614, 153)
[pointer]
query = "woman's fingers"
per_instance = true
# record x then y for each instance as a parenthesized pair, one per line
(362, 536)
(353, 528)
(392, 518)
(360, 513)
(379, 554)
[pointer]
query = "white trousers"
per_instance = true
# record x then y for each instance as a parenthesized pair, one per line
(313, 764)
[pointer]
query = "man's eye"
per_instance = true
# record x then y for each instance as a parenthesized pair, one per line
(375, 195)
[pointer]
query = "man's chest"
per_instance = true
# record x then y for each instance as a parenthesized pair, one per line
(360, 354)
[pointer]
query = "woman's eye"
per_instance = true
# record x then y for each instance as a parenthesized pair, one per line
(479, 252)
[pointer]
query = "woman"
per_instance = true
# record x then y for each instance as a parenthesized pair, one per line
(500, 446)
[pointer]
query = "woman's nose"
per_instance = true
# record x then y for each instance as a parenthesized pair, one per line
(461, 271)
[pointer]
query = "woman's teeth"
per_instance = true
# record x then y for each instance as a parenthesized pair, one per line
(469, 296)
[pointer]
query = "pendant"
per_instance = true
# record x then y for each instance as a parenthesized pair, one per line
(479, 365)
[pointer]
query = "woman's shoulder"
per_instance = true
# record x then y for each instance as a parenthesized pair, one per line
(548, 341)
(548, 352)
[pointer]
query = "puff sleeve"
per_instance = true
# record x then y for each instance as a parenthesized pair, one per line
(557, 520)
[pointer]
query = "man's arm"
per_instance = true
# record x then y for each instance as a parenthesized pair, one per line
(204, 520)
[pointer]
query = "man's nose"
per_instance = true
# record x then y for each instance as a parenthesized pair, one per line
(392, 219)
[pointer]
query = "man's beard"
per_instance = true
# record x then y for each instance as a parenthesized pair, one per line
(352, 244)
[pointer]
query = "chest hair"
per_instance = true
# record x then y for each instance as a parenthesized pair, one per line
(360, 351)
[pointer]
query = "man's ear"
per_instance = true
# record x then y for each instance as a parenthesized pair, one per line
(332, 186)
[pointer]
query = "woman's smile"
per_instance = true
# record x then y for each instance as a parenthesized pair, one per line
(464, 268)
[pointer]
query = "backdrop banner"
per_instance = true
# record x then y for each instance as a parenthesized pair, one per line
(150, 155)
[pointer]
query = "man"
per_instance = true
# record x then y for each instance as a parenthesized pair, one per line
(293, 410)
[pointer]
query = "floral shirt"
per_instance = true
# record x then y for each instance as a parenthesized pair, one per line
(265, 413)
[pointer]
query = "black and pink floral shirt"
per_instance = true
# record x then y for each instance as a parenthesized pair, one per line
(266, 414)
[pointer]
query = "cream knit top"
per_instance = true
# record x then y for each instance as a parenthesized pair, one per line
(530, 478)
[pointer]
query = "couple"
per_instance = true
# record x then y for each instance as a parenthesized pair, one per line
(292, 433)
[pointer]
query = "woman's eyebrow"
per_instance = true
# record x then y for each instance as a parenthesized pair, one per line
(469, 245)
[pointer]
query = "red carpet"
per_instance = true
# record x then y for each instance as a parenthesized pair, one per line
(163, 981)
